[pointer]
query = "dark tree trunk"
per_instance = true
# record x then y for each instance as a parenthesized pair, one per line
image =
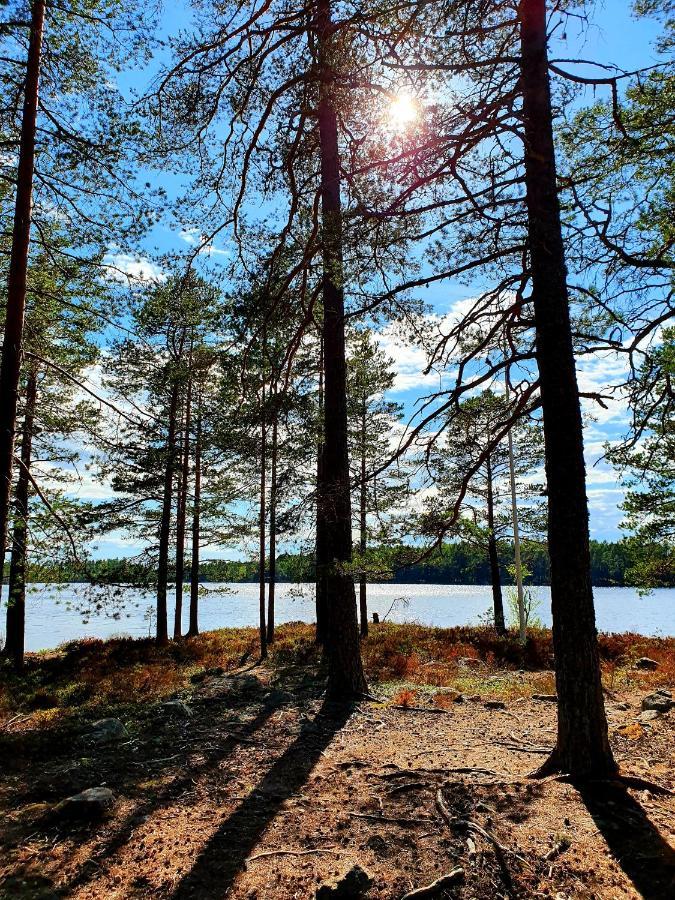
(363, 534)
(262, 520)
(345, 670)
(16, 602)
(181, 516)
(582, 745)
(321, 559)
(193, 631)
(10, 366)
(493, 555)
(320, 546)
(273, 530)
(162, 632)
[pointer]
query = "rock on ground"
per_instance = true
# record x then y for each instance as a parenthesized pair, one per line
(87, 806)
(106, 730)
(353, 884)
(660, 700)
(646, 663)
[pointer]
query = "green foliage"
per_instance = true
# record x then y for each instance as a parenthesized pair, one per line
(531, 602)
(647, 463)
(612, 565)
(470, 468)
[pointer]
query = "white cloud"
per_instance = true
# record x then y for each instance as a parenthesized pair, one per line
(409, 362)
(195, 238)
(125, 267)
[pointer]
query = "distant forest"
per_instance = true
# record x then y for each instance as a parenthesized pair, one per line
(613, 564)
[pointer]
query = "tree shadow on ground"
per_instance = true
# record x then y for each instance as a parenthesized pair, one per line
(634, 841)
(146, 807)
(216, 867)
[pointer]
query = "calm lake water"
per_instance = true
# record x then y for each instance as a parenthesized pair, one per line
(59, 613)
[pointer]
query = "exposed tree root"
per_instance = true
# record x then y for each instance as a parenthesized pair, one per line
(500, 851)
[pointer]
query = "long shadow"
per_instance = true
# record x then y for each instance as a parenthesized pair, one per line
(217, 865)
(636, 844)
(124, 830)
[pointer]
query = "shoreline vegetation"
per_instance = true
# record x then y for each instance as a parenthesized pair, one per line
(613, 564)
(91, 672)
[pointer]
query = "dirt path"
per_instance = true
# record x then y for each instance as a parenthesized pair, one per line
(265, 793)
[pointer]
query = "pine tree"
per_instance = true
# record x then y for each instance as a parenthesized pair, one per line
(373, 421)
(470, 466)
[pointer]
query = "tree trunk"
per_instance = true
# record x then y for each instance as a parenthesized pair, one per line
(320, 546)
(262, 519)
(582, 744)
(10, 366)
(165, 522)
(493, 555)
(16, 602)
(363, 534)
(345, 670)
(181, 515)
(273, 530)
(193, 631)
(520, 593)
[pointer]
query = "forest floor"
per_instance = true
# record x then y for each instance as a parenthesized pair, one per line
(235, 779)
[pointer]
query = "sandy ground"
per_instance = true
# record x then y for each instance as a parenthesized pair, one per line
(267, 793)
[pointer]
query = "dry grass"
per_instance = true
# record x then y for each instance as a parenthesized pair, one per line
(401, 658)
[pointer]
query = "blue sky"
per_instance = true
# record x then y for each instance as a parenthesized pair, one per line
(612, 35)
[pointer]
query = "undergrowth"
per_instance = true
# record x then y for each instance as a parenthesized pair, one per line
(93, 674)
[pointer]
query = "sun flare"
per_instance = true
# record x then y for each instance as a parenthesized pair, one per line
(403, 111)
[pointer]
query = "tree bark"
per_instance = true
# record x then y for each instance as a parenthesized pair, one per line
(320, 545)
(273, 529)
(10, 365)
(263, 516)
(162, 633)
(193, 630)
(16, 602)
(582, 747)
(346, 679)
(181, 515)
(493, 556)
(363, 533)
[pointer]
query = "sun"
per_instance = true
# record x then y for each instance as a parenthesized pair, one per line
(403, 111)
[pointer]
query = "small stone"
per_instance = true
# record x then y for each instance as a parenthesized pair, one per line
(177, 708)
(87, 806)
(243, 686)
(648, 715)
(353, 884)
(469, 662)
(106, 730)
(658, 701)
(622, 706)
(278, 697)
(646, 663)
(545, 698)
(494, 704)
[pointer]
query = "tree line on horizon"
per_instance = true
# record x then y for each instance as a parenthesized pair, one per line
(334, 159)
(613, 564)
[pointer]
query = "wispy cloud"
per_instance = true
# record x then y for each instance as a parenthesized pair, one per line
(195, 238)
(125, 267)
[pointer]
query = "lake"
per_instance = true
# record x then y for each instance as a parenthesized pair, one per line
(59, 613)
